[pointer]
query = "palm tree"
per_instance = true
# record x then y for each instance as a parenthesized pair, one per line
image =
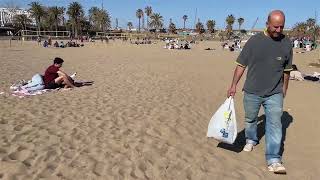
(21, 20)
(240, 21)
(139, 15)
(104, 19)
(172, 28)
(130, 26)
(200, 28)
(56, 13)
(85, 25)
(47, 21)
(99, 18)
(148, 11)
(311, 22)
(300, 29)
(230, 21)
(184, 17)
(37, 11)
(93, 13)
(75, 13)
(210, 25)
(311, 27)
(156, 21)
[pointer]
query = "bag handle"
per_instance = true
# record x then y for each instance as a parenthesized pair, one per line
(230, 99)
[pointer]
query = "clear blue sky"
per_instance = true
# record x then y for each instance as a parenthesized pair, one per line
(250, 10)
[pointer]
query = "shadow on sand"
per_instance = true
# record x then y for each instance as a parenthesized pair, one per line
(83, 83)
(240, 142)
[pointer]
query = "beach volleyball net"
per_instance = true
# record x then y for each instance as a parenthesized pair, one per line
(117, 35)
(34, 34)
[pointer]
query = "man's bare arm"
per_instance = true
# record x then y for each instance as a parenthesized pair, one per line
(238, 72)
(286, 76)
(61, 73)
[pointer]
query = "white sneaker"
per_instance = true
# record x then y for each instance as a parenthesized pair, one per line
(73, 76)
(248, 147)
(277, 168)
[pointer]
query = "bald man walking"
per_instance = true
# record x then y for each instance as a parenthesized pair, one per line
(268, 58)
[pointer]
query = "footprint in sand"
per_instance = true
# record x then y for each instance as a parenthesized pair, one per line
(20, 155)
(99, 168)
(3, 121)
(3, 153)
(18, 128)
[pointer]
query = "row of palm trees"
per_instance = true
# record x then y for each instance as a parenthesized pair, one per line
(230, 20)
(50, 18)
(157, 21)
(306, 28)
(140, 15)
(47, 17)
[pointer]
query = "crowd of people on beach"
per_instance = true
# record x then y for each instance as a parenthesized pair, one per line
(234, 45)
(305, 43)
(176, 44)
(138, 41)
(70, 43)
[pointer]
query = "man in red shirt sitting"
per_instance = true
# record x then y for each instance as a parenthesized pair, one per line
(55, 78)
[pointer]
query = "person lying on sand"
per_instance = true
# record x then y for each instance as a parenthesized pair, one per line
(54, 77)
(295, 74)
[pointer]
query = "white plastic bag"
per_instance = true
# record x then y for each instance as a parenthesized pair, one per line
(223, 124)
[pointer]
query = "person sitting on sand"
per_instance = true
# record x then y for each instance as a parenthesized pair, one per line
(56, 44)
(56, 78)
(225, 45)
(45, 43)
(39, 40)
(186, 45)
(62, 44)
(49, 41)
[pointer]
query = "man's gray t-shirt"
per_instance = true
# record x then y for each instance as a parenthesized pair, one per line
(266, 59)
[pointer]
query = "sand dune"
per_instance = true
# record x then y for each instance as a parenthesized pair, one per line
(145, 117)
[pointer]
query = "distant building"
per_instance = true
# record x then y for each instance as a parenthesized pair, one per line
(7, 14)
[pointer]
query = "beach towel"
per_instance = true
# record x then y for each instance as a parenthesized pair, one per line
(33, 87)
(223, 124)
(21, 93)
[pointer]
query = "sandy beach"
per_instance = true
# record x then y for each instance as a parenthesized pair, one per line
(145, 117)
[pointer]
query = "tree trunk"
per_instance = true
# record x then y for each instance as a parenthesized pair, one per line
(56, 27)
(139, 24)
(148, 23)
(38, 26)
(76, 30)
(73, 29)
(184, 25)
(142, 22)
(39, 29)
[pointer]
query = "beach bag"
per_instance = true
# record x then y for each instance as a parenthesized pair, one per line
(223, 124)
(35, 84)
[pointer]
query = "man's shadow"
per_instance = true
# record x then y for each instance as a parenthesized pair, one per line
(240, 141)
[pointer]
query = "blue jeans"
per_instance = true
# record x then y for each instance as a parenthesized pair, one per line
(273, 128)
